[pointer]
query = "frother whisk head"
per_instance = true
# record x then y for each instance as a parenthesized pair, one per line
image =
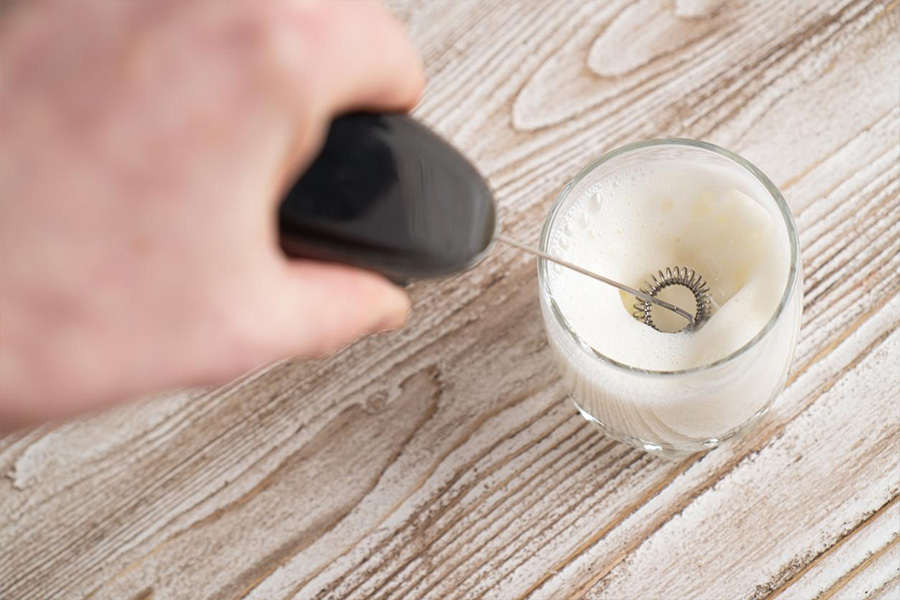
(687, 278)
(681, 276)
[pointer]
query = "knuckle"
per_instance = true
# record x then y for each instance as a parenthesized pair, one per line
(262, 30)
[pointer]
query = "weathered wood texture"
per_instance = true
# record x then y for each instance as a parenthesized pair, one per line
(444, 461)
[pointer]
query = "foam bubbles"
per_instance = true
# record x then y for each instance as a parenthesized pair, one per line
(665, 214)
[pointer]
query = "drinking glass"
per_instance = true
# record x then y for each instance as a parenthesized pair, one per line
(674, 413)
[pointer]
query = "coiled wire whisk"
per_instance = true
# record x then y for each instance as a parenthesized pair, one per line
(682, 276)
(692, 321)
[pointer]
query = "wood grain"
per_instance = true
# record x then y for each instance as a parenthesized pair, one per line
(443, 461)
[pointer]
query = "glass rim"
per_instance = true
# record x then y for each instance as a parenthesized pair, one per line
(770, 187)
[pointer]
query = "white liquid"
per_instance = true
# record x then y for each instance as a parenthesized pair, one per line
(660, 215)
(716, 219)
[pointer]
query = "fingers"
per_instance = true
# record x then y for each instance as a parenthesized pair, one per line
(323, 307)
(351, 56)
(330, 58)
(334, 57)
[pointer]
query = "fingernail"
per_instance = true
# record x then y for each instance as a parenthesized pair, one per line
(396, 309)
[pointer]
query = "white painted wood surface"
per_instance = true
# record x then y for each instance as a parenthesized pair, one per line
(443, 461)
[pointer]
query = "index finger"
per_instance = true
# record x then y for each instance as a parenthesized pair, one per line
(356, 55)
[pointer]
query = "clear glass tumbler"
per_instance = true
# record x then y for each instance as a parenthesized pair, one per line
(674, 413)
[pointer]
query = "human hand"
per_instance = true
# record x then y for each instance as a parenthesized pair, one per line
(145, 146)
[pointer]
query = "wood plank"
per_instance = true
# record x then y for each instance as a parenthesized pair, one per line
(858, 552)
(443, 461)
(806, 483)
(877, 577)
(601, 550)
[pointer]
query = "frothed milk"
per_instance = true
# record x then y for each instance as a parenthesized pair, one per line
(711, 215)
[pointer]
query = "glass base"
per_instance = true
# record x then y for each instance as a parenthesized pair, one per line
(673, 451)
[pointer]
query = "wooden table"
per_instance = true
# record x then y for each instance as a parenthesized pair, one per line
(444, 460)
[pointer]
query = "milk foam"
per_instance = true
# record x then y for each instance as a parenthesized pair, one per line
(668, 213)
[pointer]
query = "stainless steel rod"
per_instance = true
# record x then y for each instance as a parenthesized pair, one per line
(639, 294)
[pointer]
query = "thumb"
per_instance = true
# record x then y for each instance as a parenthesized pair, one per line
(323, 307)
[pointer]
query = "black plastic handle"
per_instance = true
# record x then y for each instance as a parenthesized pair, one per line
(389, 195)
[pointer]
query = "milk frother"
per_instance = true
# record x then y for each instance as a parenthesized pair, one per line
(389, 195)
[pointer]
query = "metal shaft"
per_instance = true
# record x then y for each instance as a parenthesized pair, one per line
(646, 297)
